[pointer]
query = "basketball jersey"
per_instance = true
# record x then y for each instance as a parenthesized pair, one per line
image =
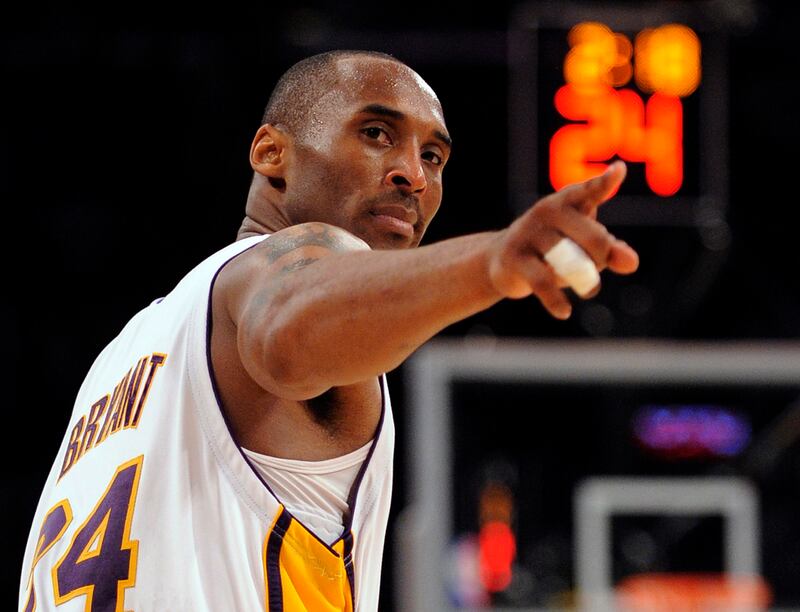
(151, 506)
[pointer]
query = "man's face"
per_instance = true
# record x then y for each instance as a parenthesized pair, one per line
(371, 160)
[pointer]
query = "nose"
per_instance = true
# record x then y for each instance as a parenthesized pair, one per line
(407, 173)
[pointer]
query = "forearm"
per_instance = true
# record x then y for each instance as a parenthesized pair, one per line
(350, 316)
(324, 313)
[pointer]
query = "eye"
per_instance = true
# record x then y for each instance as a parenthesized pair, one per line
(377, 133)
(432, 157)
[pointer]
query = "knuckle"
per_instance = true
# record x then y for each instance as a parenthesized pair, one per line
(550, 213)
(541, 284)
(538, 210)
(549, 202)
(507, 257)
(600, 242)
(547, 211)
(508, 264)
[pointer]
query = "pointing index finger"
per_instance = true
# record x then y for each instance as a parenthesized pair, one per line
(588, 195)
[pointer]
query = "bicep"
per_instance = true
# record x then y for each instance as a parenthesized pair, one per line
(256, 289)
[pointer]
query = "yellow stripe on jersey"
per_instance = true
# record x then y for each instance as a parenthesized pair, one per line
(302, 573)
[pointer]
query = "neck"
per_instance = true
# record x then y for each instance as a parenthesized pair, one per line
(263, 214)
(251, 227)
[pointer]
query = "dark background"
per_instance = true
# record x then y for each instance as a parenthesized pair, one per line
(123, 157)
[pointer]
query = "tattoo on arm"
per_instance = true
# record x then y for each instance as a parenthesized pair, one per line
(282, 244)
(300, 263)
(314, 234)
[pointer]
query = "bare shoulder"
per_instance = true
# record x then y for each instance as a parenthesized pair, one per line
(284, 252)
(308, 237)
(251, 292)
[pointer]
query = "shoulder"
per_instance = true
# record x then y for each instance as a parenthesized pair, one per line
(314, 236)
(285, 251)
(249, 294)
(293, 248)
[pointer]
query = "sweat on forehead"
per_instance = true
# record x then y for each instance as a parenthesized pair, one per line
(371, 75)
(309, 87)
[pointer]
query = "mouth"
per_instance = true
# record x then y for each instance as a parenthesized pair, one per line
(395, 219)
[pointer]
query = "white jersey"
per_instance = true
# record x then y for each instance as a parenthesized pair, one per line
(151, 505)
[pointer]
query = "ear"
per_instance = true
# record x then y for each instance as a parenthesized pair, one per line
(268, 153)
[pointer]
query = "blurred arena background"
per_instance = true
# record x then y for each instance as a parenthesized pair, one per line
(123, 156)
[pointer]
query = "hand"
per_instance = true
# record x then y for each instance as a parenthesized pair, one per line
(516, 265)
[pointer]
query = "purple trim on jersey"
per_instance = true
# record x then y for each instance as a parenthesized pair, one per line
(348, 563)
(31, 605)
(273, 562)
(351, 500)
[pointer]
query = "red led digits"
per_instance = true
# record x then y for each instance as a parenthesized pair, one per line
(617, 122)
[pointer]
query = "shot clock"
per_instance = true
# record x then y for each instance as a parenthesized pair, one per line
(645, 83)
(606, 118)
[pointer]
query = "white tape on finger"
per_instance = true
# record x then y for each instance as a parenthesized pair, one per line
(571, 263)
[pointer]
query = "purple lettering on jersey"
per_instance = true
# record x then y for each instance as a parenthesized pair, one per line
(101, 560)
(106, 429)
(122, 408)
(53, 527)
(132, 391)
(71, 455)
(95, 413)
(156, 361)
(117, 404)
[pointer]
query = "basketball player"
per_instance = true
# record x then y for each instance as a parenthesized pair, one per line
(231, 449)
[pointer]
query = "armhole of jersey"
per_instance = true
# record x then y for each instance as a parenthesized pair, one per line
(352, 497)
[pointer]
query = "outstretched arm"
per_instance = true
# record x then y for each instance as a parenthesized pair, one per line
(314, 308)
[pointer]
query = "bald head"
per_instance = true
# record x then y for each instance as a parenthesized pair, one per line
(344, 134)
(305, 84)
